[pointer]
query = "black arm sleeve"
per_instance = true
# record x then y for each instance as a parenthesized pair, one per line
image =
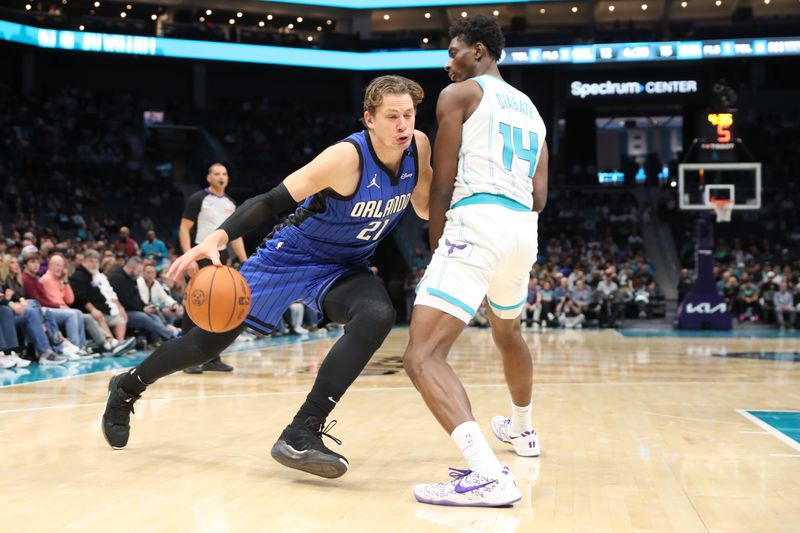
(257, 211)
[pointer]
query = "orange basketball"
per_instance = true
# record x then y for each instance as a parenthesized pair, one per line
(217, 299)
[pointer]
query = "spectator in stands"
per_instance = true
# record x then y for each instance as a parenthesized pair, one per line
(56, 296)
(685, 284)
(767, 290)
(125, 243)
(783, 303)
(151, 291)
(532, 309)
(156, 250)
(146, 317)
(94, 295)
(747, 300)
(569, 311)
(548, 304)
(27, 315)
(581, 296)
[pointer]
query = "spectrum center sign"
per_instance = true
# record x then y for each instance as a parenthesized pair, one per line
(584, 90)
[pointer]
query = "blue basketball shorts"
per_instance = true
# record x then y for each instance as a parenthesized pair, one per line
(282, 272)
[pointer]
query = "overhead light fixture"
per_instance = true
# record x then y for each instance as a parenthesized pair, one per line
(153, 17)
(574, 9)
(464, 14)
(427, 15)
(386, 16)
(97, 4)
(299, 19)
(81, 27)
(260, 23)
(542, 11)
(718, 3)
(123, 14)
(611, 8)
(27, 7)
(425, 40)
(202, 19)
(309, 38)
(329, 22)
(208, 12)
(319, 28)
(239, 14)
(129, 7)
(496, 13)
(644, 7)
(684, 4)
(231, 21)
(290, 26)
(269, 17)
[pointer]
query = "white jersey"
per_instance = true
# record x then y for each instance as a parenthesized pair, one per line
(500, 147)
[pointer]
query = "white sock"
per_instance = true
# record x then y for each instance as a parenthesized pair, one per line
(470, 440)
(114, 343)
(520, 418)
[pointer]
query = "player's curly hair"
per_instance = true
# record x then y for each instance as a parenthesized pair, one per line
(480, 29)
(391, 84)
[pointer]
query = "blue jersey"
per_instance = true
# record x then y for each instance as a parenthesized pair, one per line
(329, 236)
(347, 229)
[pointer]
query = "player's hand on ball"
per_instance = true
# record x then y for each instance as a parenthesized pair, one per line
(207, 249)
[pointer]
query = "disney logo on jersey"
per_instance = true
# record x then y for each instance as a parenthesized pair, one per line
(377, 209)
(406, 175)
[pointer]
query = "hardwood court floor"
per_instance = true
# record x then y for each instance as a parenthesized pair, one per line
(638, 434)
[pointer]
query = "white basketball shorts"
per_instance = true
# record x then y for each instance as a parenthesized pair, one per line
(485, 250)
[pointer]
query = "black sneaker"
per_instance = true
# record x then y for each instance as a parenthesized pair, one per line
(216, 365)
(117, 416)
(194, 370)
(301, 447)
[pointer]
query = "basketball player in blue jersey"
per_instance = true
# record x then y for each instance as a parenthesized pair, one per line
(489, 183)
(353, 194)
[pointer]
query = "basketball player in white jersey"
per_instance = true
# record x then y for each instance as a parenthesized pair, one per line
(489, 183)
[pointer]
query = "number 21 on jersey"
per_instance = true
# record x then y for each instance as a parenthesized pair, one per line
(513, 146)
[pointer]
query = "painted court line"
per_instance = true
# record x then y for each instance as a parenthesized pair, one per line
(774, 432)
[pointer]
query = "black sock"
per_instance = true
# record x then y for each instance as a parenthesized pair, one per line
(193, 349)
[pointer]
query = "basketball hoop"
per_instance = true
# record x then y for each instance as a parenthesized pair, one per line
(722, 208)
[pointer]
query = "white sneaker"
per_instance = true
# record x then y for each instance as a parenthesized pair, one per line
(300, 330)
(6, 362)
(52, 358)
(18, 361)
(471, 489)
(526, 444)
(69, 355)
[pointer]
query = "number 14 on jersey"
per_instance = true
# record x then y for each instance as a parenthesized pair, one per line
(513, 146)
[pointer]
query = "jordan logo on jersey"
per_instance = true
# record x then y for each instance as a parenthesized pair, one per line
(452, 246)
(374, 182)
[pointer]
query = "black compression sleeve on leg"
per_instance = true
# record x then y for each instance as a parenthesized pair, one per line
(257, 211)
(362, 304)
(194, 348)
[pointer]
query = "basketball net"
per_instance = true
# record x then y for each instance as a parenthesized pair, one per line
(722, 208)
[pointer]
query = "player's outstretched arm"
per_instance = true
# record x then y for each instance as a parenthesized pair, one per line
(337, 168)
(540, 180)
(420, 198)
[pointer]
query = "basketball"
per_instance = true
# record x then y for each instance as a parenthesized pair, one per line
(217, 299)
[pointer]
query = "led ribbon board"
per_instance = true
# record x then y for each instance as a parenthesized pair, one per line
(379, 4)
(412, 59)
